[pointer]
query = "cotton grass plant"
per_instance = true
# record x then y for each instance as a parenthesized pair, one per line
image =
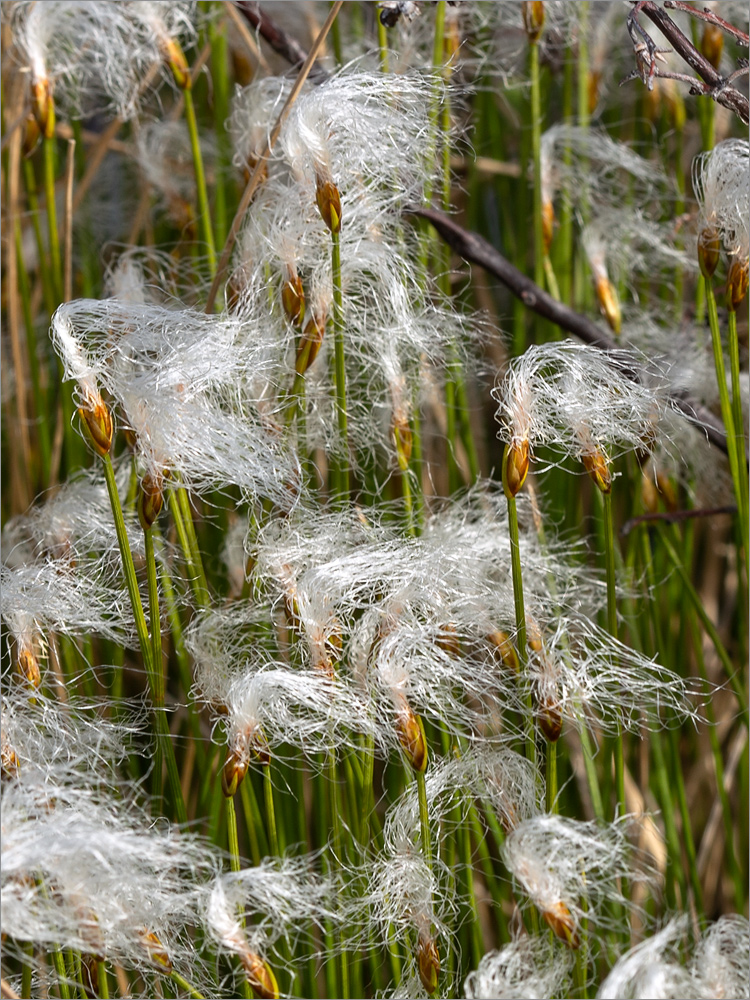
(318, 681)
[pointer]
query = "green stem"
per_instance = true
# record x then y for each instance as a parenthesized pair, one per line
(609, 558)
(232, 837)
(200, 181)
(424, 818)
(726, 411)
(128, 567)
(185, 985)
(382, 44)
(50, 299)
(102, 979)
(27, 969)
(521, 638)
(536, 157)
(726, 809)
(273, 833)
(551, 777)
(157, 676)
(50, 147)
(335, 817)
(733, 674)
(182, 516)
(340, 365)
(221, 96)
(739, 423)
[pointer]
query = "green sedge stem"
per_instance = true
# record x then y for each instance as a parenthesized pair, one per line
(221, 90)
(157, 676)
(31, 193)
(521, 638)
(726, 410)
(187, 514)
(128, 567)
(609, 559)
(200, 181)
(335, 816)
(54, 236)
(232, 837)
(739, 423)
(733, 674)
(382, 45)
(185, 985)
(424, 818)
(234, 863)
(551, 777)
(340, 364)
(102, 979)
(273, 834)
(27, 969)
(131, 581)
(536, 157)
(726, 810)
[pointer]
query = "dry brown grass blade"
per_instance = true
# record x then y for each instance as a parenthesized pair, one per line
(21, 429)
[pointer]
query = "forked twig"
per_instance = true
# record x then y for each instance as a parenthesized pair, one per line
(648, 55)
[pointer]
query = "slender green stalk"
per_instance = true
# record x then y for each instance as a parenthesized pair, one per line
(131, 582)
(612, 628)
(50, 148)
(50, 299)
(221, 97)
(27, 969)
(740, 490)
(157, 678)
(128, 567)
(102, 979)
(272, 830)
(204, 210)
(179, 505)
(382, 45)
(535, 111)
(424, 818)
(521, 637)
(737, 416)
(185, 985)
(342, 489)
(726, 809)
(337, 847)
(732, 672)
(232, 838)
(551, 775)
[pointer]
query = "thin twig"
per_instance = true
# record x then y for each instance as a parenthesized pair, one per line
(286, 46)
(719, 88)
(710, 18)
(247, 37)
(7, 991)
(260, 166)
(674, 516)
(474, 248)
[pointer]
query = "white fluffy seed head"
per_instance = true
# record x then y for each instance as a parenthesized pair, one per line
(96, 55)
(721, 180)
(579, 865)
(576, 399)
(526, 969)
